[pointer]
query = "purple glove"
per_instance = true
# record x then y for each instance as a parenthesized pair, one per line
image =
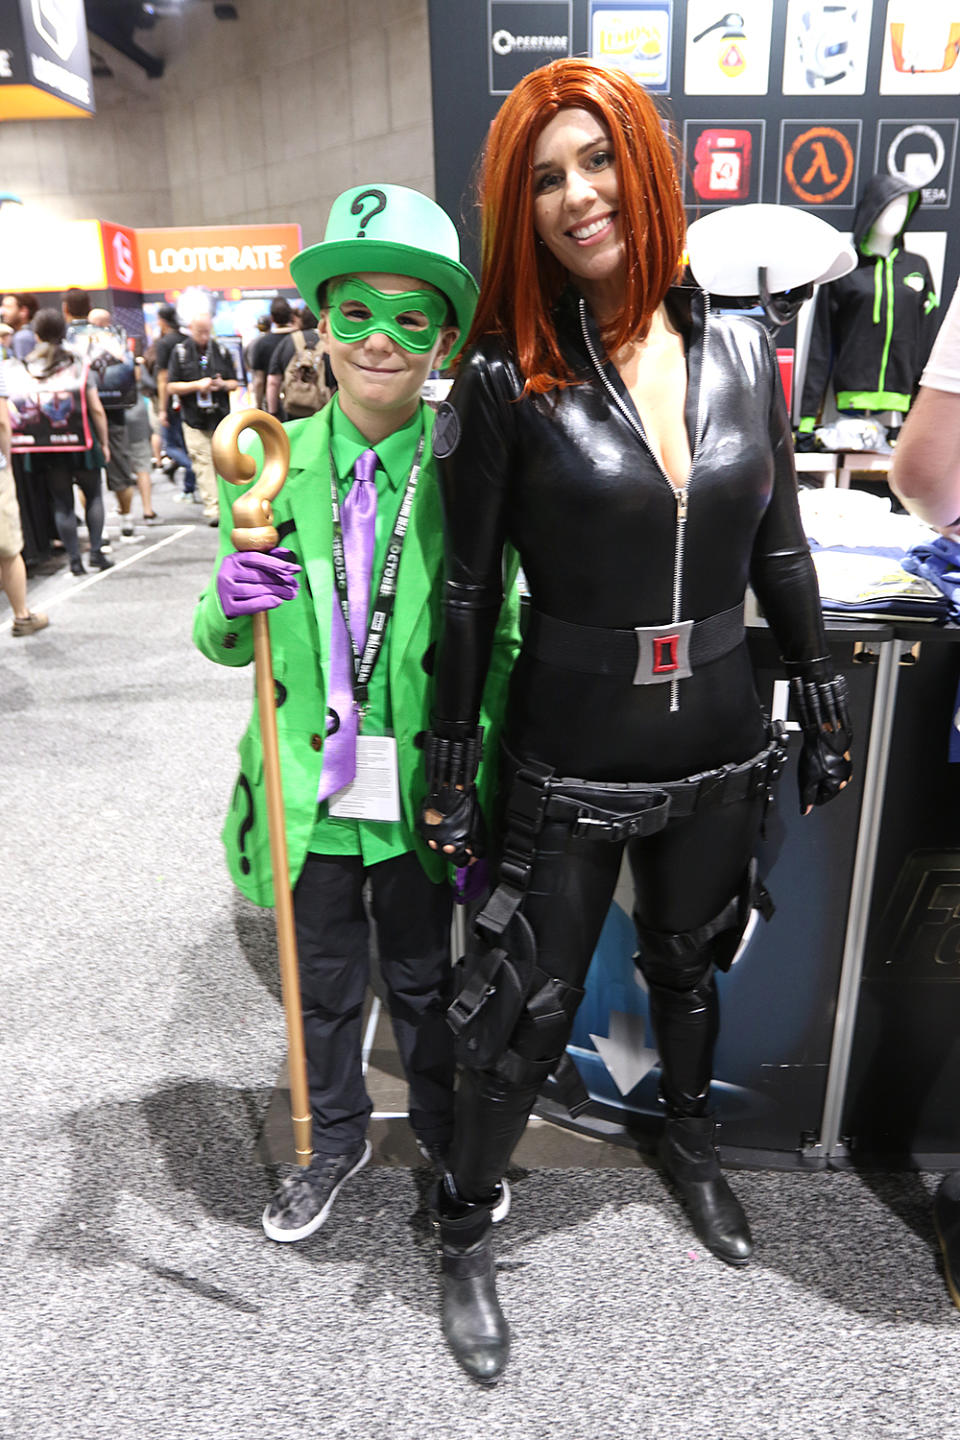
(250, 580)
(473, 882)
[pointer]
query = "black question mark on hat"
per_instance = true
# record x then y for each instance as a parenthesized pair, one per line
(357, 208)
(244, 784)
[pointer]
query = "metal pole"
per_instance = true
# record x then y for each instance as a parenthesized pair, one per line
(861, 888)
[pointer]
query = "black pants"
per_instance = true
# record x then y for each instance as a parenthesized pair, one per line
(684, 876)
(60, 476)
(36, 511)
(412, 918)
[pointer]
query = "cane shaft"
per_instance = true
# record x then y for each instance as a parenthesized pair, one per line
(253, 519)
(283, 899)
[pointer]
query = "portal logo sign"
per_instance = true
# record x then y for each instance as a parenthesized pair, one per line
(724, 162)
(922, 153)
(55, 21)
(523, 35)
(819, 163)
(918, 939)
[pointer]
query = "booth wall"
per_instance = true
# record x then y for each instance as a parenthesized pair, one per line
(112, 166)
(265, 118)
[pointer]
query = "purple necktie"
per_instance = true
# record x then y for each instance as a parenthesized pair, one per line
(358, 516)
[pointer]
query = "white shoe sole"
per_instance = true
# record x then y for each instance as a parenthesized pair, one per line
(287, 1237)
(501, 1210)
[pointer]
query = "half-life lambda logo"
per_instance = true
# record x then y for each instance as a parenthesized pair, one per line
(818, 163)
(918, 938)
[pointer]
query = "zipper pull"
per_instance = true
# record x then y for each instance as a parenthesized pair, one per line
(682, 505)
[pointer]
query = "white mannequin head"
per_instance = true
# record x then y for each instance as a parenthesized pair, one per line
(888, 225)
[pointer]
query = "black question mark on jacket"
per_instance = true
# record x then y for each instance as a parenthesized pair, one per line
(244, 784)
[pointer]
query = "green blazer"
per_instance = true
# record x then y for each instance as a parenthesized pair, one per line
(300, 640)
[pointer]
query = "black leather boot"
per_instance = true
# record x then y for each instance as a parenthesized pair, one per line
(688, 1156)
(473, 1323)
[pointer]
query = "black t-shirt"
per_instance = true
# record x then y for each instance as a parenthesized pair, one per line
(187, 362)
(263, 349)
(163, 347)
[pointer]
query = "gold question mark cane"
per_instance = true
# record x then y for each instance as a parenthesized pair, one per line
(253, 519)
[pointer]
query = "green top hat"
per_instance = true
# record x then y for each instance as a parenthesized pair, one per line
(388, 229)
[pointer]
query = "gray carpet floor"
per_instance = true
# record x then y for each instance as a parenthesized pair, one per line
(141, 1041)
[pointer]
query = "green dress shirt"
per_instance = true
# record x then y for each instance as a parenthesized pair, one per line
(373, 840)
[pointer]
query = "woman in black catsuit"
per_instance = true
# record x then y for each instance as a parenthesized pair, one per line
(635, 451)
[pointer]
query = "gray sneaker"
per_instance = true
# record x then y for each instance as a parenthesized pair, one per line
(306, 1197)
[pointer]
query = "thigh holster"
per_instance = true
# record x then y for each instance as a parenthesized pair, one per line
(680, 960)
(506, 1004)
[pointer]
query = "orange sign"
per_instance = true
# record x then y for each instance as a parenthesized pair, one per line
(250, 257)
(43, 254)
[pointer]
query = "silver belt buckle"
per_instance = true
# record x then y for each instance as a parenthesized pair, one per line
(664, 653)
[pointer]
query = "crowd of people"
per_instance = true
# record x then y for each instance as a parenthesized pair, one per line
(121, 418)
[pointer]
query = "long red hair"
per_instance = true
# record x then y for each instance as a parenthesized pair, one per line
(520, 280)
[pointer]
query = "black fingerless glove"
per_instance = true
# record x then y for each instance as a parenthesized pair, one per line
(452, 764)
(821, 706)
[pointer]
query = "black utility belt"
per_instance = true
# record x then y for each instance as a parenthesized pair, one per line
(617, 810)
(649, 654)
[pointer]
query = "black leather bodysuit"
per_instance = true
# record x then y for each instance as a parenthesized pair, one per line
(605, 540)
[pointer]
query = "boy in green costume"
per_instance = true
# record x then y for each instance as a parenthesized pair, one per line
(355, 583)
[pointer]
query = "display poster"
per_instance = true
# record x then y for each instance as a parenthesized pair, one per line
(819, 164)
(724, 163)
(921, 152)
(634, 36)
(921, 48)
(728, 51)
(826, 48)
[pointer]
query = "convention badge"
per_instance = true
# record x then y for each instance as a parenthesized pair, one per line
(412, 318)
(375, 792)
(446, 430)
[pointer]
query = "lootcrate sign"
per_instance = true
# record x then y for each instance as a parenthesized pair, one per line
(44, 60)
(222, 257)
(44, 254)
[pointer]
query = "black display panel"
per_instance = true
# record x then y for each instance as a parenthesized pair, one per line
(772, 100)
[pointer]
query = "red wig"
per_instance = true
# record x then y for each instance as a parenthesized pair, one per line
(520, 281)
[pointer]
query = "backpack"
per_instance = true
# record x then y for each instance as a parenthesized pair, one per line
(104, 348)
(304, 389)
(48, 412)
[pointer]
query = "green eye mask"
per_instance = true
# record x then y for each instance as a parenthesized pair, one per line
(413, 318)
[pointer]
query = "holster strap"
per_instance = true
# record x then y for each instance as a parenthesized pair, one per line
(647, 654)
(478, 985)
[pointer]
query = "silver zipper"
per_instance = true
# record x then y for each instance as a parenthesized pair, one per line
(681, 494)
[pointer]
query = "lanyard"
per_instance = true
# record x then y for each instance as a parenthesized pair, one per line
(387, 590)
